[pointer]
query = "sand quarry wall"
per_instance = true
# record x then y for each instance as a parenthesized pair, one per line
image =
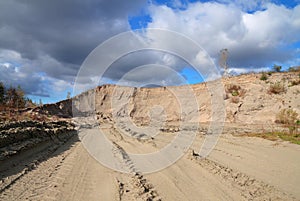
(247, 100)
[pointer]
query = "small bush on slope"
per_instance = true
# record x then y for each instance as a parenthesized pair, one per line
(289, 118)
(276, 88)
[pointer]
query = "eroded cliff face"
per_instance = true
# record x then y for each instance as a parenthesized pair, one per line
(143, 105)
(246, 98)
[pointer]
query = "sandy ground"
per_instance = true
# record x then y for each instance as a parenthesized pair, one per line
(239, 168)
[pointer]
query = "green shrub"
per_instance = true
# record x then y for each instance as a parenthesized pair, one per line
(263, 76)
(235, 93)
(235, 90)
(277, 68)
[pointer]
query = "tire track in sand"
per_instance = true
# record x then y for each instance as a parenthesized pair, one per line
(137, 187)
(250, 188)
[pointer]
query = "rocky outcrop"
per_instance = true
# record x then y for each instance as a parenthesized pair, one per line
(61, 109)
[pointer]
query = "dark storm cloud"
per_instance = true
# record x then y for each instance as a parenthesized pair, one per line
(66, 30)
(129, 62)
(45, 42)
(252, 56)
(56, 36)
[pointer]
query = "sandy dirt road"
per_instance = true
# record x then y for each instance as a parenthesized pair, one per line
(239, 168)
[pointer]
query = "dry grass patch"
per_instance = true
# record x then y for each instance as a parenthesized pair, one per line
(294, 82)
(289, 119)
(274, 136)
(235, 99)
(276, 88)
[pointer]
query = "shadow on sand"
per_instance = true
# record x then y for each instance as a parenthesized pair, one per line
(15, 166)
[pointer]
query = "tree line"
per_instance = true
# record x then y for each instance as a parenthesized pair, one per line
(13, 97)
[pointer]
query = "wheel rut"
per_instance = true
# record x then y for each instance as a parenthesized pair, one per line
(249, 187)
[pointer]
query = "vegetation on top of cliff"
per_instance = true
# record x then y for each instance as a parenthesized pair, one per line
(13, 104)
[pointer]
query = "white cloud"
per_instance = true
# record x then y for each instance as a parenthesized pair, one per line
(234, 71)
(6, 65)
(253, 40)
(7, 56)
(272, 27)
(202, 59)
(61, 85)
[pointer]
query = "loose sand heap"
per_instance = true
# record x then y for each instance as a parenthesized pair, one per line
(47, 161)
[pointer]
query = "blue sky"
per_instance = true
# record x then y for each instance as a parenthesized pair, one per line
(42, 45)
(191, 75)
